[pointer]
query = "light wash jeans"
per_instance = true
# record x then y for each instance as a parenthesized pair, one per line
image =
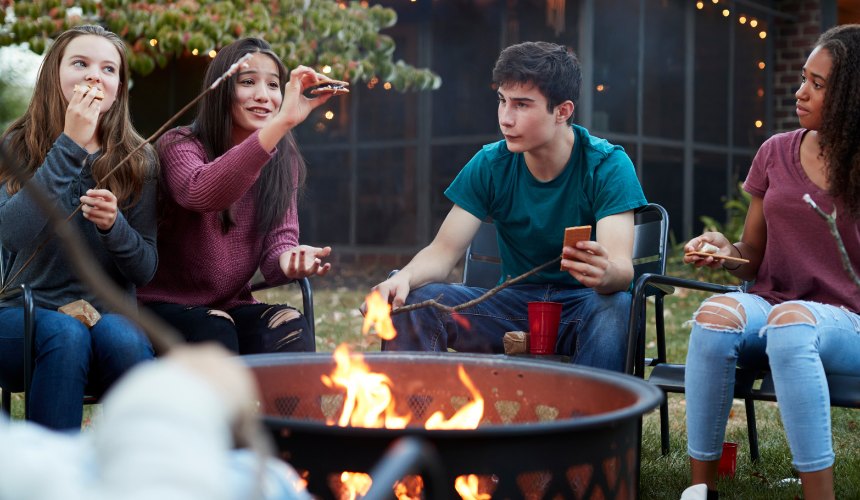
(799, 354)
(592, 330)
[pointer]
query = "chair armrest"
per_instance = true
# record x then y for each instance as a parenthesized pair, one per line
(26, 294)
(307, 299)
(638, 303)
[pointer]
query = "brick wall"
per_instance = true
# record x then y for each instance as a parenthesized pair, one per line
(792, 46)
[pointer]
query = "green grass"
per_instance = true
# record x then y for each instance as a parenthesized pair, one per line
(663, 477)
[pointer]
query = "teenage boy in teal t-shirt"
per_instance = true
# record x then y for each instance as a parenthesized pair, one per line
(547, 175)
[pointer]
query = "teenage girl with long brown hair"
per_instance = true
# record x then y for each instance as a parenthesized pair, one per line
(230, 185)
(67, 141)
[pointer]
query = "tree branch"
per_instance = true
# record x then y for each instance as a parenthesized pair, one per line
(442, 307)
(831, 223)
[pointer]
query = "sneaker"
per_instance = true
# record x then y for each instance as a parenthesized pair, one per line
(695, 492)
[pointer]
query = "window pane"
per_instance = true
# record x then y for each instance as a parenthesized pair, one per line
(712, 72)
(750, 70)
(466, 45)
(386, 197)
(663, 105)
(741, 168)
(447, 162)
(616, 52)
(709, 193)
(663, 183)
(324, 213)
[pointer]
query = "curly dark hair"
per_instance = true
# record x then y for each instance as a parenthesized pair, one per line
(840, 127)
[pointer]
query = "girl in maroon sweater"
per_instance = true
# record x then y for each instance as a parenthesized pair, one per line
(230, 184)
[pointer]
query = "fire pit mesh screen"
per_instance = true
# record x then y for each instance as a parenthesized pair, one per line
(511, 395)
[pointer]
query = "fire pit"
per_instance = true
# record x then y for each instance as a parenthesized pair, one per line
(548, 431)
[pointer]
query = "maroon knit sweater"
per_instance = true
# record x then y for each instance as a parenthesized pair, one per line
(197, 263)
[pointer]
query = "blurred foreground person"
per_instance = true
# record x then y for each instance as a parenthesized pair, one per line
(166, 434)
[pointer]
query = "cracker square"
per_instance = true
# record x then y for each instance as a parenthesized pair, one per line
(574, 235)
(99, 94)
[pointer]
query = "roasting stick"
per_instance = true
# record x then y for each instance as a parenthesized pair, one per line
(101, 184)
(718, 257)
(442, 307)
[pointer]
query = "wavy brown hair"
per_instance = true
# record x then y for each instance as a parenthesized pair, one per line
(31, 137)
(840, 127)
(213, 128)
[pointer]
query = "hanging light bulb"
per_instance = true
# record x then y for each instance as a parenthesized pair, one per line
(753, 23)
(700, 4)
(762, 35)
(742, 19)
(726, 12)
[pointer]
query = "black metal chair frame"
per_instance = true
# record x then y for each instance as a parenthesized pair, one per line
(26, 293)
(844, 390)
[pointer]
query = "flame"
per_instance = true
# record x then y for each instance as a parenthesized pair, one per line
(469, 415)
(378, 312)
(467, 487)
(409, 489)
(368, 395)
(462, 321)
(356, 483)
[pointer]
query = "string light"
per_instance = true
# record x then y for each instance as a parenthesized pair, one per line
(194, 52)
(600, 88)
(742, 19)
(342, 5)
(725, 12)
(761, 92)
(761, 65)
(212, 53)
(153, 42)
(753, 23)
(715, 1)
(758, 124)
(326, 69)
(387, 86)
(763, 34)
(329, 115)
(700, 4)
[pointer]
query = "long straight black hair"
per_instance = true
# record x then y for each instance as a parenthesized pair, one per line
(277, 191)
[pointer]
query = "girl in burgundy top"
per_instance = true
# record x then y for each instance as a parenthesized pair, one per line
(230, 183)
(801, 316)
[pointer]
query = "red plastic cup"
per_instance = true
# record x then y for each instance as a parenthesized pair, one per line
(543, 326)
(728, 460)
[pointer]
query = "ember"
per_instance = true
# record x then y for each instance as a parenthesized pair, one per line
(356, 483)
(467, 487)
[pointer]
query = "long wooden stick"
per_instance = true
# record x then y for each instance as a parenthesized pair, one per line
(101, 184)
(840, 246)
(442, 307)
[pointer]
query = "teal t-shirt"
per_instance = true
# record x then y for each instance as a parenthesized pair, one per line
(530, 215)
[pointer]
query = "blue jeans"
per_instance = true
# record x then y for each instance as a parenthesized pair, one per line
(799, 354)
(592, 330)
(68, 357)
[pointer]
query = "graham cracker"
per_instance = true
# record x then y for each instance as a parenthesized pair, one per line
(574, 235)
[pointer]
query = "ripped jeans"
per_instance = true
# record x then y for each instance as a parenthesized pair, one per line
(249, 329)
(817, 340)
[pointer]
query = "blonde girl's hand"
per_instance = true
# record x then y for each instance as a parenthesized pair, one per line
(304, 261)
(99, 206)
(718, 240)
(82, 116)
(296, 107)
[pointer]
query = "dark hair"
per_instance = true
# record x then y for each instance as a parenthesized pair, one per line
(840, 127)
(553, 69)
(277, 190)
(32, 136)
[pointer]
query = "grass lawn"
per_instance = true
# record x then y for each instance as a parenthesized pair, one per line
(663, 477)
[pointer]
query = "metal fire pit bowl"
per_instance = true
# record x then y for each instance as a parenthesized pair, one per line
(549, 430)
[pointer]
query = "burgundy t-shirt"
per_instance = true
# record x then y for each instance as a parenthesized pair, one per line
(801, 261)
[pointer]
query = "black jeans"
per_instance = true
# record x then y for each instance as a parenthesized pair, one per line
(250, 329)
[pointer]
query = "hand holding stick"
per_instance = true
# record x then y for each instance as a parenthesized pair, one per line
(102, 183)
(442, 307)
(831, 223)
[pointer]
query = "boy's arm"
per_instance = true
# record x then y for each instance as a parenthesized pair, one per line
(605, 265)
(435, 262)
